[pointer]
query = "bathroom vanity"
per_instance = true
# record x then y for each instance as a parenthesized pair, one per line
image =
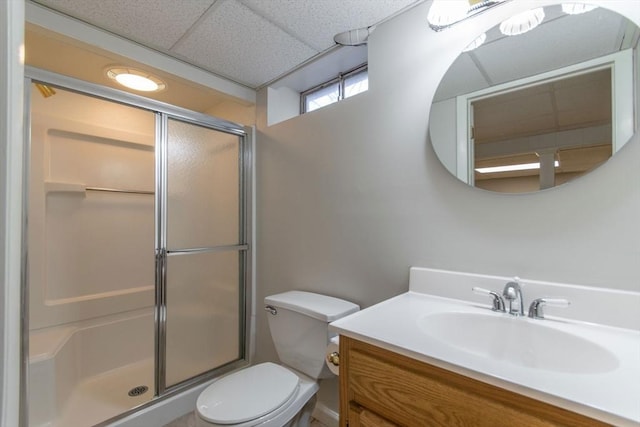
(440, 356)
(379, 387)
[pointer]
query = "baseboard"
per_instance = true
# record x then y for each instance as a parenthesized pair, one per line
(326, 416)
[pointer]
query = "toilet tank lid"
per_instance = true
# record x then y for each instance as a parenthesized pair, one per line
(321, 307)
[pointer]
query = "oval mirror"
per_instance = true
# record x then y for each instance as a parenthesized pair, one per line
(520, 113)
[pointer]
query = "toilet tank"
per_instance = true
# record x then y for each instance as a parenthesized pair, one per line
(298, 326)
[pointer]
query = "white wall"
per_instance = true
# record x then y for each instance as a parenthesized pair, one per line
(284, 103)
(350, 196)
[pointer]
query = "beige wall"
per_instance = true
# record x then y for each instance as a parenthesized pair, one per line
(350, 196)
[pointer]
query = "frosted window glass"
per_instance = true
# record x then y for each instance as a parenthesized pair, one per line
(322, 97)
(203, 313)
(342, 87)
(203, 187)
(356, 83)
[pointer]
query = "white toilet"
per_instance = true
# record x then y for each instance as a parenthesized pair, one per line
(272, 395)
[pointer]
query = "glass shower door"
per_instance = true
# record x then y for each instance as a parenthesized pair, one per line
(204, 251)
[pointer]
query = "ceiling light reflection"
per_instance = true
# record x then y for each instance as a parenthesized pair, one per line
(577, 8)
(522, 22)
(511, 168)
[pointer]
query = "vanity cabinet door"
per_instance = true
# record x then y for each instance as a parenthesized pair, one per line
(363, 417)
(382, 388)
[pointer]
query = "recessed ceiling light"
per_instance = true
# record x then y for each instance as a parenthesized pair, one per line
(136, 79)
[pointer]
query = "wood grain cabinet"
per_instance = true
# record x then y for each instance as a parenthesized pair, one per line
(379, 388)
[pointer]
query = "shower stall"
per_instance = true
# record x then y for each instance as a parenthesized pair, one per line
(137, 280)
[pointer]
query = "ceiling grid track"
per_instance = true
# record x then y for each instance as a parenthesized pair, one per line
(284, 30)
(210, 10)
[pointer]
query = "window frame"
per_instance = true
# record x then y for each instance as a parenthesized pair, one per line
(340, 79)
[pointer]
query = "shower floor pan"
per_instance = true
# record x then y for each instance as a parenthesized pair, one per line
(84, 373)
(107, 395)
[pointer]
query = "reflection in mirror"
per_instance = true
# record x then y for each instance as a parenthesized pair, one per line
(540, 136)
(533, 111)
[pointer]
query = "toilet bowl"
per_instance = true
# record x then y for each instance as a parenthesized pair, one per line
(273, 395)
(264, 395)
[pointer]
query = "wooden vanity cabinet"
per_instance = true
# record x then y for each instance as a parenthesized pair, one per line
(380, 388)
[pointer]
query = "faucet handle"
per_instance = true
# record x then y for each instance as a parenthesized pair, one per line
(535, 309)
(498, 302)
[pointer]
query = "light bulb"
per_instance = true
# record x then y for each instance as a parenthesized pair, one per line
(522, 22)
(133, 81)
(446, 12)
(577, 8)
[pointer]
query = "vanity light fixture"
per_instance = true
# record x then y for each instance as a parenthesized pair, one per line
(511, 168)
(136, 79)
(577, 8)
(522, 22)
(445, 13)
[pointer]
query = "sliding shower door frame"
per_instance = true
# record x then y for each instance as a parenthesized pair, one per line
(163, 252)
(162, 113)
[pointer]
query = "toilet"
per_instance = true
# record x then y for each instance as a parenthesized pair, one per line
(270, 394)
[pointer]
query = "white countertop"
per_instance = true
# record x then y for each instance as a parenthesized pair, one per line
(612, 396)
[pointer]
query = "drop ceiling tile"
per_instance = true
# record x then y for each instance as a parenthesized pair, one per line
(155, 23)
(316, 22)
(232, 36)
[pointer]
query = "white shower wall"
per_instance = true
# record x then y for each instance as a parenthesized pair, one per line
(91, 259)
(91, 253)
(79, 374)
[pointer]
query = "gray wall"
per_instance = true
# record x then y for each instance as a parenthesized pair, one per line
(352, 195)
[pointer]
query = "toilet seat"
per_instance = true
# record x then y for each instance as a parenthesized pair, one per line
(248, 394)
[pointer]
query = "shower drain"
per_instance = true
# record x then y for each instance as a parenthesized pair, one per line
(137, 391)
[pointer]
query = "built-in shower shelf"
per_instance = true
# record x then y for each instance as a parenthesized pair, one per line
(64, 187)
(72, 187)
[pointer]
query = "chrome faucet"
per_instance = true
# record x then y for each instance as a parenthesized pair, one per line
(513, 293)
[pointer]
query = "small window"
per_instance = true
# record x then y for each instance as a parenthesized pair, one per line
(344, 86)
(356, 83)
(321, 96)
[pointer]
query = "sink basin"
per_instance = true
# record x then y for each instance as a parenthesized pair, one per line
(520, 341)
